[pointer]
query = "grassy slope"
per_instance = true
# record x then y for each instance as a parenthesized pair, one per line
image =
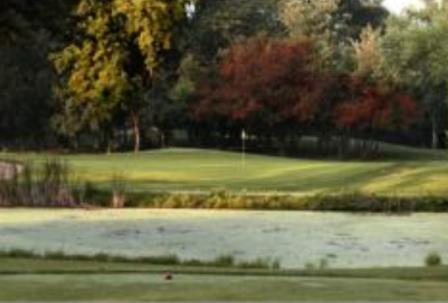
(404, 171)
(69, 281)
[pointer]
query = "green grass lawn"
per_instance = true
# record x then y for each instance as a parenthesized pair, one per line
(402, 171)
(141, 287)
(47, 280)
(420, 172)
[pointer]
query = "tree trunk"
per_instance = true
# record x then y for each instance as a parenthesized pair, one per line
(136, 131)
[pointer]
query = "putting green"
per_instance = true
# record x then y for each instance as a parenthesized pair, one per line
(405, 171)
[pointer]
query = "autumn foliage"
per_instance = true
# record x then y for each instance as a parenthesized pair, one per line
(275, 82)
(264, 77)
(370, 106)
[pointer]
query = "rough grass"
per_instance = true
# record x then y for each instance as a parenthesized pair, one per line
(224, 261)
(403, 171)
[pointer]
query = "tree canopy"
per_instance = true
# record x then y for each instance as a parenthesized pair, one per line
(124, 74)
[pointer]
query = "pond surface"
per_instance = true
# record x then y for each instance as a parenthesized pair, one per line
(294, 238)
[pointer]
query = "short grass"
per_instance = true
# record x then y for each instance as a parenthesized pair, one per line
(403, 171)
(30, 266)
(145, 287)
(46, 280)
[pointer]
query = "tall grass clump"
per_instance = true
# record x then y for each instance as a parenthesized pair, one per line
(224, 261)
(433, 259)
(46, 185)
(118, 186)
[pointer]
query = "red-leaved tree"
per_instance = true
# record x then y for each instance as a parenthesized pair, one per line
(263, 81)
(272, 88)
(370, 106)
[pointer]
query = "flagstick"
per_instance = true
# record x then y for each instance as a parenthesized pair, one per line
(243, 148)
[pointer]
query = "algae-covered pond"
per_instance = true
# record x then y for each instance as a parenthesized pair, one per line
(294, 238)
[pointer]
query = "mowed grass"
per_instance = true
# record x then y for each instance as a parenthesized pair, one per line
(47, 280)
(144, 287)
(403, 171)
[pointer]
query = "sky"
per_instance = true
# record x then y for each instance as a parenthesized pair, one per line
(397, 6)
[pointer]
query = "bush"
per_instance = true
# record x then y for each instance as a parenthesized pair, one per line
(433, 259)
(343, 202)
(224, 261)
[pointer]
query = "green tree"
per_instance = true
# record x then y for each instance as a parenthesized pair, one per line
(331, 24)
(22, 19)
(415, 49)
(217, 24)
(29, 30)
(115, 51)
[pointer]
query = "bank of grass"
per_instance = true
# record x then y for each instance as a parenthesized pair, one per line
(223, 261)
(343, 202)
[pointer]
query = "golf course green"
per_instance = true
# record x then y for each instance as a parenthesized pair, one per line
(402, 171)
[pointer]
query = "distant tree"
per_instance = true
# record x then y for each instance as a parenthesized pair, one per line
(25, 97)
(368, 109)
(331, 24)
(29, 31)
(370, 102)
(115, 51)
(372, 107)
(416, 56)
(217, 24)
(367, 55)
(275, 91)
(21, 20)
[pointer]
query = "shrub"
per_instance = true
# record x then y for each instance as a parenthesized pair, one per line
(17, 253)
(224, 261)
(310, 266)
(433, 259)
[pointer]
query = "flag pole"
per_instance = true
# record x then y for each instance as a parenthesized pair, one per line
(243, 148)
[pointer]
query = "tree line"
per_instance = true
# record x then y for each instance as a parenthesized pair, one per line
(125, 75)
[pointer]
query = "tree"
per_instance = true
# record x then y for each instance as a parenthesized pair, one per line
(215, 25)
(275, 91)
(115, 51)
(22, 20)
(367, 55)
(331, 24)
(370, 101)
(373, 107)
(25, 97)
(29, 31)
(415, 56)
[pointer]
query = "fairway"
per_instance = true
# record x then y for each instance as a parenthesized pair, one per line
(413, 172)
(141, 287)
(53, 280)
